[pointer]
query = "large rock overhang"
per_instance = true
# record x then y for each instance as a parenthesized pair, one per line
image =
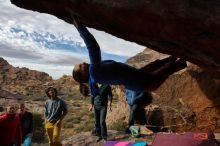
(185, 28)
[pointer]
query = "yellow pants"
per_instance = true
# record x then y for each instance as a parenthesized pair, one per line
(53, 133)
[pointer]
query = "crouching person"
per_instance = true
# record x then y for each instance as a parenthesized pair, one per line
(55, 111)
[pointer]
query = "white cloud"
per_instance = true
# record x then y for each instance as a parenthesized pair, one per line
(19, 46)
(114, 45)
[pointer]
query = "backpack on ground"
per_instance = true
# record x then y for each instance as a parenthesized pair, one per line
(135, 131)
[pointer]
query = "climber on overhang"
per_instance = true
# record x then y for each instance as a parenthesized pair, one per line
(137, 101)
(147, 78)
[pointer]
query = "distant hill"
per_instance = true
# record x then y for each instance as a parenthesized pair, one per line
(31, 83)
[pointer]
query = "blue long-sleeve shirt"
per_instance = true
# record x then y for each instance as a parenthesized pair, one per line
(133, 97)
(109, 71)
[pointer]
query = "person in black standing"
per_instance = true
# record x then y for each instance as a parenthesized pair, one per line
(26, 120)
(137, 102)
(100, 105)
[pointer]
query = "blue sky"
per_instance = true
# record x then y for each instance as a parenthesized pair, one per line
(43, 42)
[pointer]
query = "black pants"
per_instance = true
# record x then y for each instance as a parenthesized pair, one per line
(100, 124)
(136, 114)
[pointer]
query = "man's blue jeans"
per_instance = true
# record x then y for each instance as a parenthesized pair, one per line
(27, 140)
(100, 124)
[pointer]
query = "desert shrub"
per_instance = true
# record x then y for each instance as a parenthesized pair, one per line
(117, 125)
(76, 120)
(39, 98)
(87, 126)
(73, 95)
(91, 115)
(72, 119)
(68, 125)
(39, 130)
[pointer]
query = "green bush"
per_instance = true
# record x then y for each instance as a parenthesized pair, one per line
(87, 126)
(76, 121)
(39, 130)
(39, 99)
(73, 95)
(91, 115)
(69, 118)
(118, 126)
(68, 125)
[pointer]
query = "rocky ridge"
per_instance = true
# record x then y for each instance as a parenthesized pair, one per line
(30, 83)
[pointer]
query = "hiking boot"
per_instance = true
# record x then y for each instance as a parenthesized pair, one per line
(98, 139)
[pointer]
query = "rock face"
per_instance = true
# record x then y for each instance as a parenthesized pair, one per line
(187, 29)
(8, 95)
(22, 80)
(188, 100)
